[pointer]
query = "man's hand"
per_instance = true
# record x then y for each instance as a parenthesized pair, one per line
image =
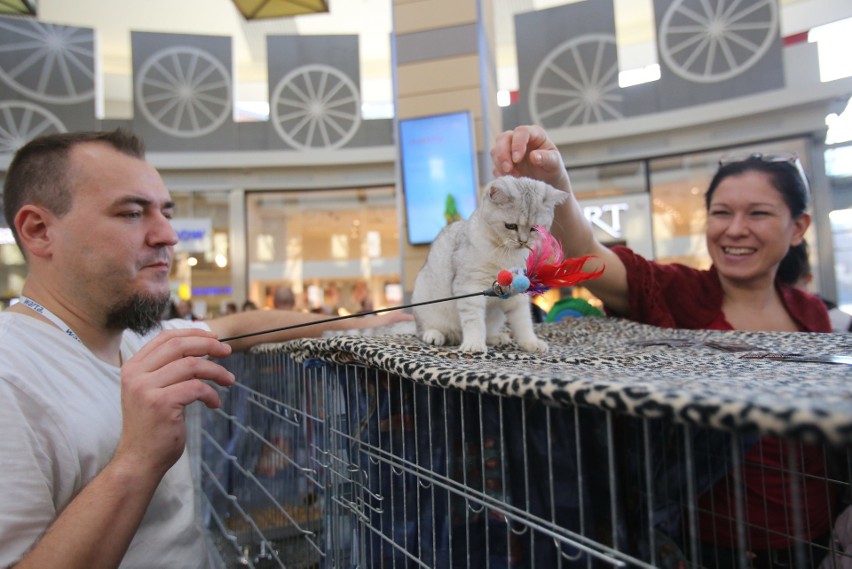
(527, 151)
(157, 383)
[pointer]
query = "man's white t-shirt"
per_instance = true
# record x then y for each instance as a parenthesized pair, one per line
(60, 421)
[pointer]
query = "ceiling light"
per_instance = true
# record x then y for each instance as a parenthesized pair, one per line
(260, 9)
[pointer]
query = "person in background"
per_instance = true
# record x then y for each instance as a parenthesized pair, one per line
(360, 300)
(284, 299)
(185, 311)
(93, 385)
(756, 216)
(231, 308)
(249, 305)
(331, 300)
(840, 321)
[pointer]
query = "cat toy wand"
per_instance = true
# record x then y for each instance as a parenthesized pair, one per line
(546, 267)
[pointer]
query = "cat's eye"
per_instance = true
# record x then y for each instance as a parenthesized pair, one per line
(512, 226)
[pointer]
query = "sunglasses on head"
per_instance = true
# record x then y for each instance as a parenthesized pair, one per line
(789, 157)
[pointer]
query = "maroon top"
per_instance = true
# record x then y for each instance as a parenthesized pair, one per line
(677, 296)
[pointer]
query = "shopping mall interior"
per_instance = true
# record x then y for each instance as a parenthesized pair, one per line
(320, 154)
(261, 206)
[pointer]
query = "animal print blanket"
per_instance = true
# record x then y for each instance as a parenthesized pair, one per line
(690, 376)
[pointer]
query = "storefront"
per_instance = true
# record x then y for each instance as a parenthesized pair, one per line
(333, 238)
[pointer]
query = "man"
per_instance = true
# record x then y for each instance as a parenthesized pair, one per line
(92, 393)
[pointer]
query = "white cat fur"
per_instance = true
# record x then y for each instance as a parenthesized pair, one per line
(466, 257)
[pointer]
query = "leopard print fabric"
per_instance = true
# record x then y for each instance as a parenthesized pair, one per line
(689, 376)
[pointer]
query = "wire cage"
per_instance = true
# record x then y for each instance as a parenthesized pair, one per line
(348, 453)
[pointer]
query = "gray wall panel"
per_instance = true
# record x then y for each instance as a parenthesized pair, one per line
(436, 44)
(183, 91)
(47, 80)
(568, 65)
(314, 91)
(706, 57)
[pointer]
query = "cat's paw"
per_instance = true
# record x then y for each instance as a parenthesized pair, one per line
(533, 345)
(434, 337)
(498, 340)
(473, 347)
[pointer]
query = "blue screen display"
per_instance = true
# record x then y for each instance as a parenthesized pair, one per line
(438, 173)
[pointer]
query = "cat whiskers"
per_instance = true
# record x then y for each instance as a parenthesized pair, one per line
(511, 246)
(519, 245)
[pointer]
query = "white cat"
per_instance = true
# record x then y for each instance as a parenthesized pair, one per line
(466, 257)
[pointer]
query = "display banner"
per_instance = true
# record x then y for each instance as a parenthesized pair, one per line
(712, 51)
(568, 65)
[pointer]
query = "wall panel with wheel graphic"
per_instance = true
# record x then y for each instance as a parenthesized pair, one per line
(183, 91)
(708, 52)
(315, 95)
(568, 65)
(711, 51)
(47, 80)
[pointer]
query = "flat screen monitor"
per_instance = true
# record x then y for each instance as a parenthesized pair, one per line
(439, 180)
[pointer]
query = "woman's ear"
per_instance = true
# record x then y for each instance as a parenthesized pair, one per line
(32, 223)
(800, 225)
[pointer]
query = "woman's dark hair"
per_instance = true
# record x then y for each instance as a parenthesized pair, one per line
(789, 179)
(795, 265)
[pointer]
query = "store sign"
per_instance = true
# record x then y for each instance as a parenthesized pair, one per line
(607, 217)
(624, 219)
(194, 235)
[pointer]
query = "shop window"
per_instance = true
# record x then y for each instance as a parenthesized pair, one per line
(614, 198)
(201, 270)
(338, 250)
(841, 231)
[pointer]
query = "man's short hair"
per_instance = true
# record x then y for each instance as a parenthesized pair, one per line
(38, 173)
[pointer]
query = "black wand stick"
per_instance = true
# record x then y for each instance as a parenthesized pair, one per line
(496, 290)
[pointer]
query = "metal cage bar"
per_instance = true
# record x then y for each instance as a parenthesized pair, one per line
(317, 464)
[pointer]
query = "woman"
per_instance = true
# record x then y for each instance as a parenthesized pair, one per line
(755, 217)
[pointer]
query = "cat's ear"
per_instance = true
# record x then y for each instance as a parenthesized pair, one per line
(498, 192)
(553, 197)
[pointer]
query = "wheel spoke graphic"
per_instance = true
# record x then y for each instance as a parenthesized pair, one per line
(577, 83)
(709, 42)
(315, 107)
(21, 121)
(47, 63)
(184, 91)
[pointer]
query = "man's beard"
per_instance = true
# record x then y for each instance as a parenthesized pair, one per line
(138, 313)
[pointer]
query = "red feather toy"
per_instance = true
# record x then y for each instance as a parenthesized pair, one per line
(547, 266)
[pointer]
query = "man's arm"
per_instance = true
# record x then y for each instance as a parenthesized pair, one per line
(97, 526)
(260, 320)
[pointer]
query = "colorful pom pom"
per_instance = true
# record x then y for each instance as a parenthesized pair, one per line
(520, 283)
(504, 278)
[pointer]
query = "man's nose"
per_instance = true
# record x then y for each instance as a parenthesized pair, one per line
(163, 233)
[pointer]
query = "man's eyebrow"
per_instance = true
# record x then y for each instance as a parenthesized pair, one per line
(143, 202)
